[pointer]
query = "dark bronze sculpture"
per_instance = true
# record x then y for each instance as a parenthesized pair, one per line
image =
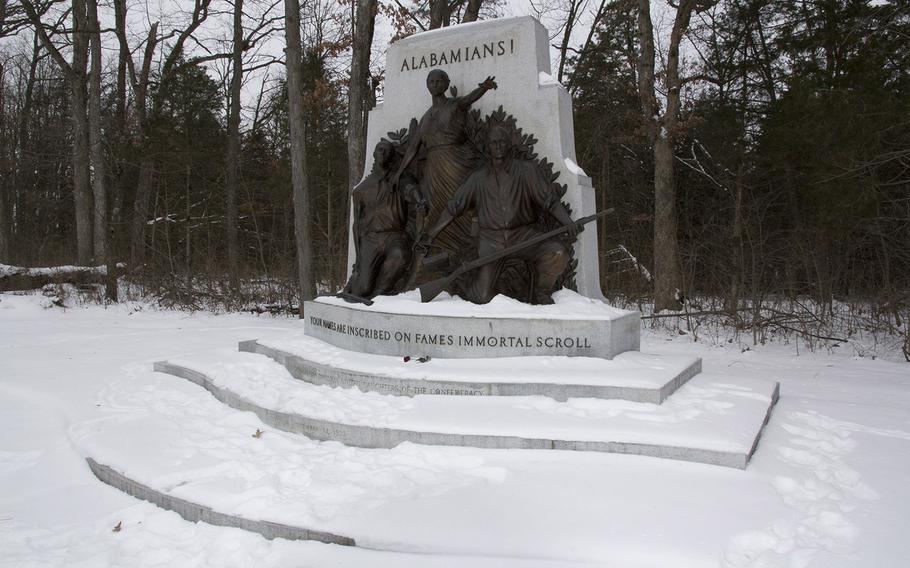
(448, 156)
(433, 288)
(431, 174)
(508, 195)
(380, 226)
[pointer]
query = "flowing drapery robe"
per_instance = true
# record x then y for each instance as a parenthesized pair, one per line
(450, 159)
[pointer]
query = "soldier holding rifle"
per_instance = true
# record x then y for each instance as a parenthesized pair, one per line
(507, 196)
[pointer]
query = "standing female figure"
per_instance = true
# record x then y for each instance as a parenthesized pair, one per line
(450, 158)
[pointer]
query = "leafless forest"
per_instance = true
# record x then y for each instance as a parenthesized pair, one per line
(757, 151)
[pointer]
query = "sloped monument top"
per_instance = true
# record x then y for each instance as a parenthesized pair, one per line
(516, 52)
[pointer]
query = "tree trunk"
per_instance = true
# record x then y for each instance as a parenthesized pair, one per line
(471, 11)
(439, 14)
(189, 233)
(4, 223)
(666, 246)
(24, 164)
(298, 151)
(233, 148)
(82, 192)
(738, 268)
(662, 132)
(358, 89)
(571, 17)
(100, 232)
(586, 46)
(141, 210)
(122, 127)
(5, 174)
(75, 73)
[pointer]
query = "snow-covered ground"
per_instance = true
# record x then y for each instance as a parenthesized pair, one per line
(828, 486)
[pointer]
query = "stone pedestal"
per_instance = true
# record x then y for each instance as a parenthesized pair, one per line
(356, 327)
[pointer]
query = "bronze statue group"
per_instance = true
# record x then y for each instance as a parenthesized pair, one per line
(417, 198)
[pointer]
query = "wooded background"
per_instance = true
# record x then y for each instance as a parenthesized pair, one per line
(753, 149)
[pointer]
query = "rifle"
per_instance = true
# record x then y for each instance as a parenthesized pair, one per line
(421, 260)
(419, 253)
(433, 288)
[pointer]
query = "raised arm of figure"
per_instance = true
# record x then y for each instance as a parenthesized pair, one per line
(474, 96)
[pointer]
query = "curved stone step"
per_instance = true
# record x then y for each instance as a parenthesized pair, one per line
(632, 376)
(195, 512)
(711, 424)
(574, 508)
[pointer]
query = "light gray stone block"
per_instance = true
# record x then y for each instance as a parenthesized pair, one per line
(319, 374)
(382, 333)
(370, 437)
(195, 512)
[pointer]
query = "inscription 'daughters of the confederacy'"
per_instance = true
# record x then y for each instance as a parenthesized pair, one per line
(448, 339)
(460, 55)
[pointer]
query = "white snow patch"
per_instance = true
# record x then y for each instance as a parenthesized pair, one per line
(567, 305)
(544, 79)
(846, 436)
(7, 270)
(573, 167)
(646, 274)
(629, 369)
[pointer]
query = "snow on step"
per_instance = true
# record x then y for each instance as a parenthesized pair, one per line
(710, 419)
(632, 375)
(175, 439)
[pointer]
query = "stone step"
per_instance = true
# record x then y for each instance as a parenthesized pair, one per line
(632, 375)
(196, 512)
(709, 420)
(170, 442)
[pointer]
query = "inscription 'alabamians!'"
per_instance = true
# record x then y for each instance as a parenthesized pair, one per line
(464, 54)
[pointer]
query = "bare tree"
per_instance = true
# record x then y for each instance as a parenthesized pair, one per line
(561, 18)
(5, 149)
(585, 50)
(140, 80)
(25, 156)
(100, 227)
(11, 19)
(573, 9)
(440, 12)
(444, 13)
(120, 132)
(233, 147)
(471, 11)
(662, 129)
(242, 42)
(75, 73)
(293, 60)
(359, 89)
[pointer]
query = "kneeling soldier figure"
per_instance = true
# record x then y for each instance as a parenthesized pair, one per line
(507, 196)
(381, 242)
